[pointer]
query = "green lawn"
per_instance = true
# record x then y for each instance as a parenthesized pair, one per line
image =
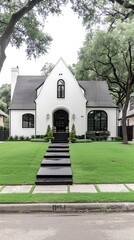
(102, 162)
(96, 162)
(20, 161)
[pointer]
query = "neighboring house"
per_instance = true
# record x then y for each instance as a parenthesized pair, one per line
(129, 119)
(60, 101)
(2, 116)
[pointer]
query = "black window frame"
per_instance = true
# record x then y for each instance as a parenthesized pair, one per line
(28, 120)
(98, 121)
(61, 88)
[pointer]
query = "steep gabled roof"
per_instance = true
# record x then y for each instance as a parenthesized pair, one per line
(25, 92)
(97, 93)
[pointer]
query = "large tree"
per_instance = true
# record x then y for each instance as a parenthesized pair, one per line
(5, 96)
(96, 11)
(22, 21)
(110, 56)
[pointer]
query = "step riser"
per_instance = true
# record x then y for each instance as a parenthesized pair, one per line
(58, 150)
(55, 165)
(59, 146)
(57, 156)
(52, 181)
(57, 141)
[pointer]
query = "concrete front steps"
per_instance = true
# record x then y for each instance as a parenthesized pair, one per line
(55, 168)
(61, 137)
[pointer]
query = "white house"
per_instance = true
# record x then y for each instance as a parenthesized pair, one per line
(129, 119)
(60, 101)
(2, 116)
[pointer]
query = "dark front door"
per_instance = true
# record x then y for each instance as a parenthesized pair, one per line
(60, 120)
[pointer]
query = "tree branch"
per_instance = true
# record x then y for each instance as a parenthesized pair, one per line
(125, 4)
(5, 38)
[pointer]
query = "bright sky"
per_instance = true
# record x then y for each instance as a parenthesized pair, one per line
(68, 35)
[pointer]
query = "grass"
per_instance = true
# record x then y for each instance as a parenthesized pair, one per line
(66, 198)
(20, 161)
(97, 162)
(102, 162)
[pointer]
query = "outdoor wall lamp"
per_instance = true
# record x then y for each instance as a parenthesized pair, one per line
(73, 116)
(47, 116)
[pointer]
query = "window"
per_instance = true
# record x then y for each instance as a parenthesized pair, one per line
(28, 120)
(60, 89)
(97, 121)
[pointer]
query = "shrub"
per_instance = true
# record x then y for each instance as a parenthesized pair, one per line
(49, 134)
(80, 137)
(83, 140)
(97, 138)
(48, 129)
(72, 135)
(118, 139)
(15, 137)
(1, 128)
(27, 138)
(98, 135)
(37, 140)
(22, 138)
(10, 138)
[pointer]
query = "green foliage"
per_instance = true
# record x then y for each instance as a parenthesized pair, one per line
(3, 106)
(38, 140)
(48, 129)
(72, 135)
(49, 133)
(98, 136)
(116, 139)
(112, 61)
(5, 95)
(83, 140)
(103, 11)
(23, 22)
(47, 68)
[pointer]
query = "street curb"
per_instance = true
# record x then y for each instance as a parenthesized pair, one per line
(66, 207)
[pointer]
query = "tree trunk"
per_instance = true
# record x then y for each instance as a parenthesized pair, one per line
(2, 56)
(124, 114)
(5, 37)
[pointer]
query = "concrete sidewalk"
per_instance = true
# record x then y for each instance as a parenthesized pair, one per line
(66, 207)
(76, 188)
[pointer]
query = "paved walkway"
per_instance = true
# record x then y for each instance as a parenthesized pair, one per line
(76, 188)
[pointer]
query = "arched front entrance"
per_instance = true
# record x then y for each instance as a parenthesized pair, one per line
(61, 121)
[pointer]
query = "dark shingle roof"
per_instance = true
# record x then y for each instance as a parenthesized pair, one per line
(97, 93)
(25, 92)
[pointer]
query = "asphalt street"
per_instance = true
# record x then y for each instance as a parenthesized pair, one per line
(41, 226)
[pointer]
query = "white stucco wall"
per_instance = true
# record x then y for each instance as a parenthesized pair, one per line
(14, 74)
(16, 123)
(112, 119)
(74, 101)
